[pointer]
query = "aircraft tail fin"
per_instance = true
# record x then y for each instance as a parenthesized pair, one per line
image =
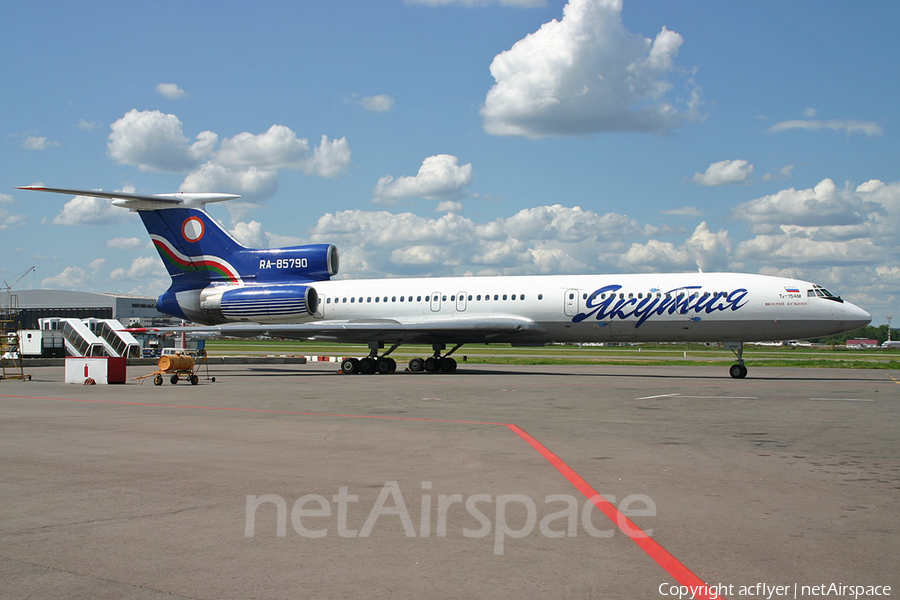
(194, 247)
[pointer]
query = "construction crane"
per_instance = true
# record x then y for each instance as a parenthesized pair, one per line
(9, 286)
(10, 358)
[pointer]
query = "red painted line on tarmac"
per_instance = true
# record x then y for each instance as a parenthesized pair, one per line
(654, 550)
(651, 547)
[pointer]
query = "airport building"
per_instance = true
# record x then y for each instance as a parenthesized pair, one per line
(130, 310)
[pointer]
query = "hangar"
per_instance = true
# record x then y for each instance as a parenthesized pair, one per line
(128, 309)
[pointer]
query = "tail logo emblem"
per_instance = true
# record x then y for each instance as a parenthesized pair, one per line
(192, 229)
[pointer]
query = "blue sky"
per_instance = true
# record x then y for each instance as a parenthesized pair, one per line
(462, 137)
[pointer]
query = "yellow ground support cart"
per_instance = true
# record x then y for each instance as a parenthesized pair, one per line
(180, 366)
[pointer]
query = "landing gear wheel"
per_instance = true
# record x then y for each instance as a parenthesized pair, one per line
(448, 365)
(157, 380)
(432, 364)
(173, 379)
(417, 365)
(350, 366)
(385, 365)
(194, 380)
(738, 371)
(367, 365)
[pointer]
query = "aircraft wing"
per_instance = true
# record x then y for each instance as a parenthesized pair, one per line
(450, 330)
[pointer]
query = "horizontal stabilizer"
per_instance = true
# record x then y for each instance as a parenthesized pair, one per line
(143, 201)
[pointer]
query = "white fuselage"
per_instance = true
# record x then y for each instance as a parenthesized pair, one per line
(575, 308)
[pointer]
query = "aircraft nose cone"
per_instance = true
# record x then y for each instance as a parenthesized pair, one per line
(856, 317)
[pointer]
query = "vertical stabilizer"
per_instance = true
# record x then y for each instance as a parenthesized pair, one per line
(194, 247)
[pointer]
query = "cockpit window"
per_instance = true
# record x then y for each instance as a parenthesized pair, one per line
(821, 292)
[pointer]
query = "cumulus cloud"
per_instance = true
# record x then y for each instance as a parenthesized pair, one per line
(330, 158)
(247, 164)
(704, 249)
(827, 234)
(440, 177)
(585, 74)
(784, 249)
(143, 267)
(380, 103)
(71, 278)
(724, 172)
(252, 235)
(822, 205)
(544, 239)
(785, 172)
(170, 91)
(252, 183)
(86, 210)
(8, 219)
(123, 243)
(868, 128)
(154, 141)
(684, 211)
(33, 142)
(277, 148)
(449, 206)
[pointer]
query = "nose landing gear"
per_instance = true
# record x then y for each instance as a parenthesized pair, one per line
(739, 370)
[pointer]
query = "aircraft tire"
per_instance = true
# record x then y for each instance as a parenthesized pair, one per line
(367, 365)
(350, 366)
(738, 371)
(432, 364)
(385, 365)
(448, 365)
(417, 365)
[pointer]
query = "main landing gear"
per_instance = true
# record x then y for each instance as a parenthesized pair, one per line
(384, 364)
(372, 363)
(739, 370)
(435, 363)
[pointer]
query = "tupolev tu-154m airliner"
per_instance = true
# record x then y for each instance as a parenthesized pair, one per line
(289, 292)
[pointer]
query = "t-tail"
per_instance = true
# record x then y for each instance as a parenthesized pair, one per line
(215, 278)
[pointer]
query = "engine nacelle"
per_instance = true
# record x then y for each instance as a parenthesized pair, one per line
(260, 303)
(315, 262)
